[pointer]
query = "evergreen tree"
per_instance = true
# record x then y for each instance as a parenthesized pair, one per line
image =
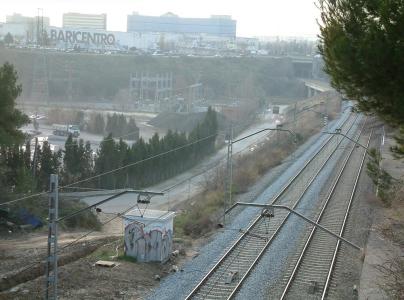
(132, 130)
(8, 39)
(47, 167)
(13, 173)
(18, 176)
(87, 161)
(27, 155)
(121, 126)
(106, 160)
(362, 46)
(79, 119)
(11, 119)
(99, 124)
(71, 160)
(112, 124)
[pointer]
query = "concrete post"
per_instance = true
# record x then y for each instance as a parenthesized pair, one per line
(52, 260)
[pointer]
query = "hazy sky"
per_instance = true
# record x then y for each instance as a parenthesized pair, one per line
(254, 17)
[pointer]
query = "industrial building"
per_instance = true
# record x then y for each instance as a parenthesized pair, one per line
(216, 25)
(92, 21)
(146, 86)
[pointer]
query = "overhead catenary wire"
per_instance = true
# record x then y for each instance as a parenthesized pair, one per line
(220, 163)
(23, 198)
(118, 169)
(103, 140)
(39, 261)
(139, 162)
(115, 170)
(118, 215)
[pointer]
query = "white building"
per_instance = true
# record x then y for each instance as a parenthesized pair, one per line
(23, 29)
(77, 20)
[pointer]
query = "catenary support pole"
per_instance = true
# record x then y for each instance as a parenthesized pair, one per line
(52, 259)
(272, 206)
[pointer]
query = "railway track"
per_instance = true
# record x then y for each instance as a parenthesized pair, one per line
(310, 276)
(228, 274)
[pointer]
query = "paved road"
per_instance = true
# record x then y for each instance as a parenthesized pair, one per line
(146, 131)
(181, 187)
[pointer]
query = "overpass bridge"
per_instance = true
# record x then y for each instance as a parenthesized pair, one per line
(316, 86)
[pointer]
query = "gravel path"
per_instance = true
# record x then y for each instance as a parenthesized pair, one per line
(178, 285)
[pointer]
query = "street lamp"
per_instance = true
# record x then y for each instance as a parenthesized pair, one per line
(229, 172)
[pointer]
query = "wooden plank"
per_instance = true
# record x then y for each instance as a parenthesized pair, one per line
(105, 263)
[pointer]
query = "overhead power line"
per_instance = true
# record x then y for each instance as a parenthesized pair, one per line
(138, 162)
(110, 171)
(23, 198)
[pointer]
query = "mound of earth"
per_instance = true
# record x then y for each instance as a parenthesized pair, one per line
(183, 122)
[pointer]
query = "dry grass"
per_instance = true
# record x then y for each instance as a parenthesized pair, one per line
(203, 212)
(392, 270)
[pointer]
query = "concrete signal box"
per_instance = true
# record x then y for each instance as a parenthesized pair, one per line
(149, 235)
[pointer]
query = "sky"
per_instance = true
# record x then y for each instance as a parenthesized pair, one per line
(254, 17)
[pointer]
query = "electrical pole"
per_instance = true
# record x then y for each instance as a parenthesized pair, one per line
(294, 117)
(52, 260)
(35, 158)
(229, 173)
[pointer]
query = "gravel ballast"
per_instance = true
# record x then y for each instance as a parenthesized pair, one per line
(179, 285)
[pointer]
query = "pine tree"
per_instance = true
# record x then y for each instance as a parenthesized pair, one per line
(132, 130)
(47, 167)
(99, 124)
(87, 161)
(11, 119)
(8, 39)
(362, 45)
(71, 160)
(121, 126)
(27, 155)
(106, 161)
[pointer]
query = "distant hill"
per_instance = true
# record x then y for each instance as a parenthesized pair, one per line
(104, 77)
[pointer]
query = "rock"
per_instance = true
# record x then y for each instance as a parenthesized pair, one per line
(157, 277)
(174, 268)
(25, 292)
(175, 253)
(119, 293)
(231, 276)
(14, 289)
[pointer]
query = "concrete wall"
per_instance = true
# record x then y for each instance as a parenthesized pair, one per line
(151, 242)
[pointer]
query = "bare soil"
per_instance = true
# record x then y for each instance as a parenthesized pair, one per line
(383, 273)
(79, 277)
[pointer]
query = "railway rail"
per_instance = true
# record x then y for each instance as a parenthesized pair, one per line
(312, 271)
(228, 274)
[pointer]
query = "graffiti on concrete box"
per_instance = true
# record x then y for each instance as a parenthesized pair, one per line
(153, 243)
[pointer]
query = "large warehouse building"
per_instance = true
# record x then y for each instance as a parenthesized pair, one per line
(216, 25)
